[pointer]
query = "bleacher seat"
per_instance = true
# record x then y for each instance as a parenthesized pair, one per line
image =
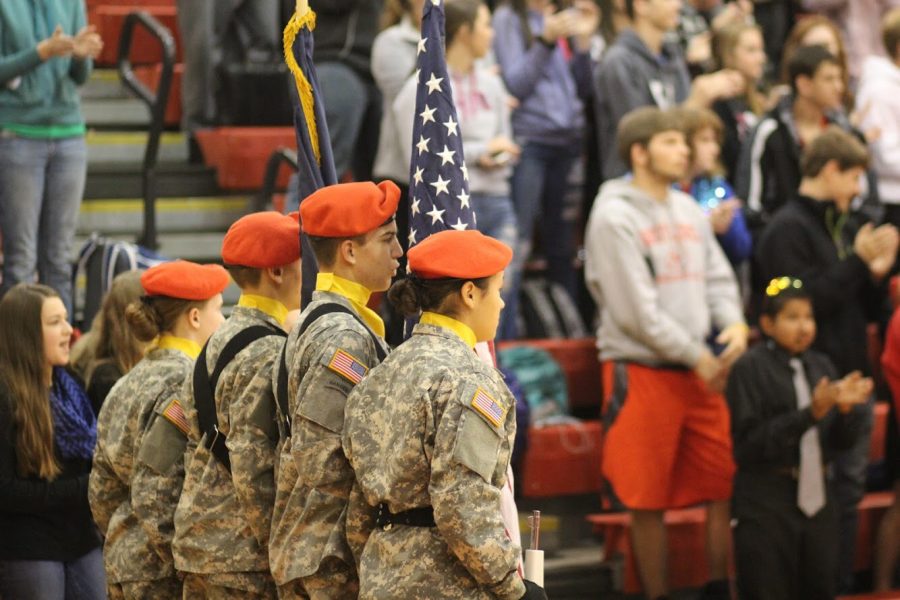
(240, 154)
(109, 19)
(871, 509)
(879, 432)
(562, 459)
(686, 529)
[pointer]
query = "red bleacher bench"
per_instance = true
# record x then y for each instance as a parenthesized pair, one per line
(578, 359)
(686, 530)
(879, 432)
(240, 154)
(562, 459)
(149, 76)
(109, 20)
(871, 509)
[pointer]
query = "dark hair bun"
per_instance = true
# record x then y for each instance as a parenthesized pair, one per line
(143, 320)
(404, 297)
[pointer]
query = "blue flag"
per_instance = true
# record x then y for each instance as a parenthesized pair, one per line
(438, 179)
(315, 161)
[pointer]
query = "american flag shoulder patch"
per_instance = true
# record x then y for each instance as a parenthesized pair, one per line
(485, 405)
(345, 364)
(174, 414)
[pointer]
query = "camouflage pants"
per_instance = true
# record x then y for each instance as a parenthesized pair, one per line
(333, 581)
(228, 586)
(159, 589)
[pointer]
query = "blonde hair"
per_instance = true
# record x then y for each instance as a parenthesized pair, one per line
(724, 43)
(110, 340)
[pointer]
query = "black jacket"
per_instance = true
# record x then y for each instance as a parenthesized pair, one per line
(39, 519)
(768, 171)
(766, 424)
(345, 31)
(103, 379)
(808, 239)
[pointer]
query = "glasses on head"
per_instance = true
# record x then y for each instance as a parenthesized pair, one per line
(780, 284)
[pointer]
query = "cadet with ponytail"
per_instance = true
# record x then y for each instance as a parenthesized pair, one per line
(138, 470)
(429, 434)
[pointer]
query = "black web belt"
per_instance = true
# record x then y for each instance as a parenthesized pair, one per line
(417, 517)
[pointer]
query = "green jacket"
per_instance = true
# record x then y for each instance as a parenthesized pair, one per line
(35, 93)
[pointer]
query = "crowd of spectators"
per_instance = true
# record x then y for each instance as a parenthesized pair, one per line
(744, 161)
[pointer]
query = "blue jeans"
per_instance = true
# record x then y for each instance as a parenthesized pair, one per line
(353, 113)
(496, 218)
(80, 579)
(539, 188)
(41, 186)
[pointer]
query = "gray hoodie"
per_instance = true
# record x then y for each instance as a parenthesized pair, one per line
(658, 276)
(631, 76)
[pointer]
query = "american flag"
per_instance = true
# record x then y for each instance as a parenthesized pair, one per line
(488, 407)
(438, 179)
(344, 364)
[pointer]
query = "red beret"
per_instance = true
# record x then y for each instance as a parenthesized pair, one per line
(184, 280)
(349, 209)
(455, 254)
(262, 240)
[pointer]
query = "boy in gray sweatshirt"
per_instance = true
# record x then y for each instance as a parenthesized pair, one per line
(662, 283)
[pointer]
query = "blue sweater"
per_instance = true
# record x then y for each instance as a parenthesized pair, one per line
(33, 92)
(550, 89)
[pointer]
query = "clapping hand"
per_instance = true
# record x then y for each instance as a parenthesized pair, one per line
(824, 397)
(886, 241)
(58, 44)
(852, 390)
(585, 23)
(877, 247)
(87, 44)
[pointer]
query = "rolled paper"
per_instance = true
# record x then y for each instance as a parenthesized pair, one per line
(534, 566)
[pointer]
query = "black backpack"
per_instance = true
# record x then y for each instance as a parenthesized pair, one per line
(548, 311)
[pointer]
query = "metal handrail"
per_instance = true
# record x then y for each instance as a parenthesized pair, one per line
(282, 155)
(156, 103)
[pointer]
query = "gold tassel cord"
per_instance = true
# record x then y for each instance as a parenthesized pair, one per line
(304, 89)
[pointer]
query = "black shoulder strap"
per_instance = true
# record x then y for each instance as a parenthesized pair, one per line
(205, 387)
(281, 392)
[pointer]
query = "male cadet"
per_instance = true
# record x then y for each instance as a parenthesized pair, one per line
(335, 342)
(223, 516)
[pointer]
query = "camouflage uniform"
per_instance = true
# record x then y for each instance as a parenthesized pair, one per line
(314, 481)
(434, 426)
(131, 506)
(222, 520)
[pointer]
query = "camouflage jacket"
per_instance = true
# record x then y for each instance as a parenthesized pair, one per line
(222, 520)
(314, 479)
(136, 519)
(434, 426)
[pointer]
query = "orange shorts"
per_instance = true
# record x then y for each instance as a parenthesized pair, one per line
(669, 445)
